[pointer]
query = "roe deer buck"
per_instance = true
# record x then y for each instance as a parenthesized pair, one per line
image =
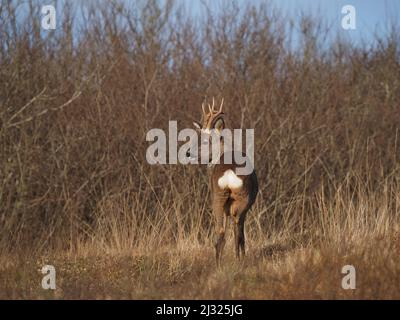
(232, 194)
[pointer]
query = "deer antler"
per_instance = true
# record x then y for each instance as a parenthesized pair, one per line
(211, 108)
(203, 108)
(220, 107)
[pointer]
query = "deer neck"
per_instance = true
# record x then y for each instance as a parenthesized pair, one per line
(225, 145)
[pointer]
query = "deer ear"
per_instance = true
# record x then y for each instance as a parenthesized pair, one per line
(219, 125)
(197, 125)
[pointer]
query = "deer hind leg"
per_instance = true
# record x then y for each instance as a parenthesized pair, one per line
(221, 231)
(241, 239)
(238, 213)
(220, 211)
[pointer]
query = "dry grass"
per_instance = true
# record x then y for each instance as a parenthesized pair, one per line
(284, 265)
(188, 272)
(77, 193)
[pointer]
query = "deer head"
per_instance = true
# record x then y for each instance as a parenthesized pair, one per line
(210, 127)
(211, 119)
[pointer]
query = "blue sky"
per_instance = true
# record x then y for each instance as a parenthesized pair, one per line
(372, 16)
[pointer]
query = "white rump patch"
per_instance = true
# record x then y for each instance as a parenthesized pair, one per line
(230, 180)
